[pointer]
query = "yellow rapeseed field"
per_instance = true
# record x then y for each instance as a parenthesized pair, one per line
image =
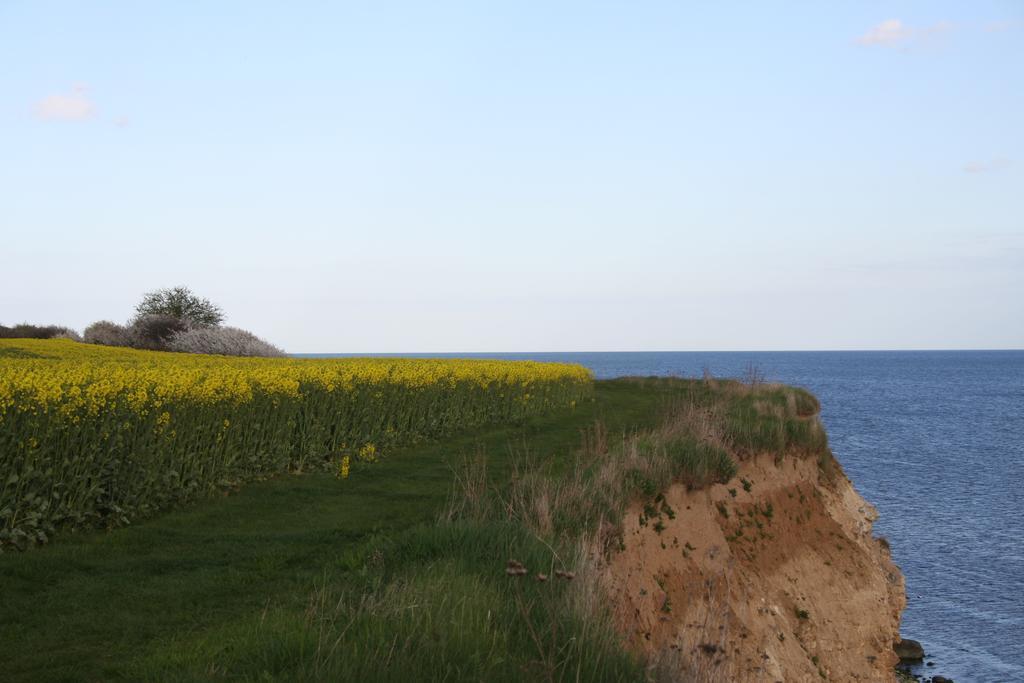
(93, 435)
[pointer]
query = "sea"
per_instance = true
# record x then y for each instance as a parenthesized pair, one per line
(935, 440)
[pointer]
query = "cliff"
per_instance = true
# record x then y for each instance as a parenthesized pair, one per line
(774, 576)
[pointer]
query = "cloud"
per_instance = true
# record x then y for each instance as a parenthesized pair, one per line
(997, 164)
(889, 32)
(72, 106)
(1001, 26)
(894, 33)
(936, 29)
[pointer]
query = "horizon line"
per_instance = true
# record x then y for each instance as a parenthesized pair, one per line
(892, 350)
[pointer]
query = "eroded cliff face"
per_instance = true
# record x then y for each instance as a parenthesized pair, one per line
(772, 577)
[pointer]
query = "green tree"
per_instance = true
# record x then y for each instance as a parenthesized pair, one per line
(180, 303)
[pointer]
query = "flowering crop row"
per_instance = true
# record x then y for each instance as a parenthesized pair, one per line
(96, 436)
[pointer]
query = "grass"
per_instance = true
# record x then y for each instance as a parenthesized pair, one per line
(399, 572)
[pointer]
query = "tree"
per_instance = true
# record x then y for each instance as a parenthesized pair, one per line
(180, 303)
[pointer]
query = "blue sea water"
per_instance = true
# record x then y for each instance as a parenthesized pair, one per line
(935, 439)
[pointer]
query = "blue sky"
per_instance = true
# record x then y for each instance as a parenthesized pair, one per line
(559, 176)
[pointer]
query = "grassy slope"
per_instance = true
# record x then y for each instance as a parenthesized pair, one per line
(159, 597)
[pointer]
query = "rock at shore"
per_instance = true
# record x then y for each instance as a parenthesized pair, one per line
(909, 650)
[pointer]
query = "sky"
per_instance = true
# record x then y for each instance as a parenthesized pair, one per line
(521, 176)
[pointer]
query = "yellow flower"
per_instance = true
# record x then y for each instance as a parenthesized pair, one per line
(368, 453)
(77, 413)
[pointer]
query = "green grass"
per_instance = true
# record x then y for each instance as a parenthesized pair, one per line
(158, 600)
(699, 464)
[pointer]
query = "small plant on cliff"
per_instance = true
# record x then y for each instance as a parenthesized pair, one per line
(699, 464)
(753, 375)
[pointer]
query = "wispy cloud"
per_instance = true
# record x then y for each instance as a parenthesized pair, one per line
(997, 164)
(894, 33)
(1002, 26)
(889, 32)
(71, 106)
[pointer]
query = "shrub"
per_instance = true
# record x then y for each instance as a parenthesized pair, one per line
(69, 334)
(106, 333)
(224, 341)
(180, 302)
(26, 331)
(153, 332)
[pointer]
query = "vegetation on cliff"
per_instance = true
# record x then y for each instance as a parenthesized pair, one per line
(475, 558)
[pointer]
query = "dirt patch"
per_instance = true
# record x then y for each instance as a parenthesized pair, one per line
(772, 577)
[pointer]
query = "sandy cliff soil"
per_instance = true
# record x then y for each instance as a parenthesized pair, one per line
(781, 582)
